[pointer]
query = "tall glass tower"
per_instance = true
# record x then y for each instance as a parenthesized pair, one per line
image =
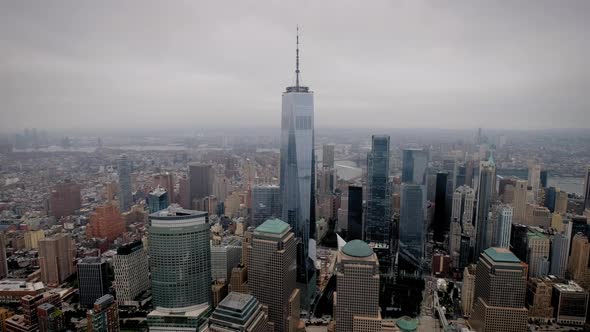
(297, 174)
(378, 217)
(487, 173)
(124, 168)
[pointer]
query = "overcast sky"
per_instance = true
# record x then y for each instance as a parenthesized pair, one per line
(381, 64)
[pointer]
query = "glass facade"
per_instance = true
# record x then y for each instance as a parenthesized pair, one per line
(266, 204)
(415, 162)
(412, 218)
(484, 197)
(180, 258)
(355, 213)
(378, 217)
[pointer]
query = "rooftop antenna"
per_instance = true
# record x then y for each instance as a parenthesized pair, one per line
(297, 62)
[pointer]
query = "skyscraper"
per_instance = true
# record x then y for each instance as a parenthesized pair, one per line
(463, 201)
(355, 213)
(579, 259)
(93, 279)
(297, 174)
(487, 173)
(266, 203)
(56, 258)
(200, 183)
(439, 224)
(131, 272)
(166, 181)
(412, 219)
(180, 262)
(560, 246)
(328, 155)
(534, 178)
(357, 288)
(180, 257)
(272, 265)
(157, 199)
(124, 168)
(3, 261)
(520, 201)
(499, 273)
(503, 226)
(378, 216)
(538, 252)
(414, 164)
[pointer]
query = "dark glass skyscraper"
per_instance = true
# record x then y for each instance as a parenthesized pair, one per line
(124, 168)
(297, 174)
(487, 173)
(587, 189)
(378, 217)
(411, 227)
(355, 213)
(441, 222)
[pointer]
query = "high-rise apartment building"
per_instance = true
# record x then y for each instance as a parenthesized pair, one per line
(64, 199)
(378, 215)
(487, 174)
(239, 313)
(157, 199)
(266, 203)
(412, 219)
(200, 183)
(355, 213)
(520, 202)
(93, 279)
(357, 287)
(498, 273)
(180, 264)
(106, 222)
(3, 261)
(124, 169)
(414, 164)
(104, 315)
(166, 181)
(272, 265)
(328, 155)
(56, 258)
(131, 269)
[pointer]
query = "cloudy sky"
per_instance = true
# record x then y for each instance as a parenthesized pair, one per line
(381, 64)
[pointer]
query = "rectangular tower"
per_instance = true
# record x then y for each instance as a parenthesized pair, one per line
(378, 216)
(124, 168)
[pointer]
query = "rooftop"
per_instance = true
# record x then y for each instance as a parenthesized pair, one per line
(273, 226)
(20, 285)
(175, 211)
(569, 287)
(501, 255)
(236, 301)
(407, 324)
(357, 248)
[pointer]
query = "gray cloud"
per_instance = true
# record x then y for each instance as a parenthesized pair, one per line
(413, 63)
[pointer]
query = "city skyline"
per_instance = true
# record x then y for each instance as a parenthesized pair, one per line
(478, 64)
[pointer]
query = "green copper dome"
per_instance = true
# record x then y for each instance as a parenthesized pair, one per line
(357, 248)
(407, 324)
(273, 226)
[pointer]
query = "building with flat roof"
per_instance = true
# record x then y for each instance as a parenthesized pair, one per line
(158, 199)
(499, 272)
(93, 279)
(104, 315)
(224, 257)
(266, 203)
(131, 269)
(538, 299)
(239, 313)
(570, 302)
(56, 258)
(11, 290)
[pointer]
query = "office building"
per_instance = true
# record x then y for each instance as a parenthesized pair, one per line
(538, 245)
(297, 177)
(503, 225)
(414, 164)
(560, 245)
(51, 318)
(93, 279)
(468, 290)
(104, 315)
(272, 264)
(487, 174)
(239, 313)
(266, 203)
(412, 219)
(587, 189)
(439, 224)
(543, 178)
(106, 222)
(64, 199)
(166, 181)
(538, 299)
(326, 180)
(131, 269)
(455, 242)
(498, 273)
(200, 183)
(570, 303)
(534, 179)
(538, 216)
(125, 167)
(463, 202)
(180, 257)
(56, 258)
(357, 286)
(3, 261)
(224, 257)
(550, 197)
(578, 260)
(157, 199)
(239, 280)
(355, 213)
(378, 215)
(561, 202)
(180, 264)
(328, 155)
(520, 202)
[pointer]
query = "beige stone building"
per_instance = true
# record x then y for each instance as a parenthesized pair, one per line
(56, 258)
